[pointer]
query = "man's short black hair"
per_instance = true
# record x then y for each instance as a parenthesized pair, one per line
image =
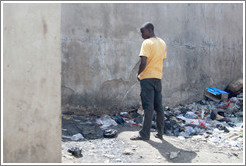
(149, 25)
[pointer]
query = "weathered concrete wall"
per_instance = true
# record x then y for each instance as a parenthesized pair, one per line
(101, 42)
(31, 83)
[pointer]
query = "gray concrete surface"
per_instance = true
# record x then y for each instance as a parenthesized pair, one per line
(100, 45)
(31, 83)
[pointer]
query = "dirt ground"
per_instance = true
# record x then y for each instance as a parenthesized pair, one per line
(171, 150)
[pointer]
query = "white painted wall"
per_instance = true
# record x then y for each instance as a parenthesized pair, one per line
(31, 83)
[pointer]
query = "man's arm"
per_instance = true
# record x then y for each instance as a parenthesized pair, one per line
(142, 64)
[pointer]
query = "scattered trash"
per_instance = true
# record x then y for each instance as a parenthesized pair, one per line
(173, 155)
(235, 87)
(140, 157)
(140, 109)
(139, 119)
(221, 127)
(134, 147)
(76, 152)
(77, 137)
(128, 152)
(118, 160)
(110, 133)
(106, 122)
(66, 137)
(181, 137)
(233, 154)
(208, 120)
(193, 121)
(190, 131)
(119, 120)
(109, 156)
(218, 122)
(131, 122)
(66, 117)
(86, 125)
(216, 94)
(190, 115)
(223, 105)
(124, 114)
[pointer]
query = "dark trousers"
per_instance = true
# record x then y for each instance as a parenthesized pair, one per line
(151, 100)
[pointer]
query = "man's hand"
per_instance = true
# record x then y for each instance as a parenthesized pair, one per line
(142, 65)
(137, 77)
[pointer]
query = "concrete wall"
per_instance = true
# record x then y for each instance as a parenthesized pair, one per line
(101, 42)
(31, 83)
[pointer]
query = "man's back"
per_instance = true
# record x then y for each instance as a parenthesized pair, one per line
(155, 51)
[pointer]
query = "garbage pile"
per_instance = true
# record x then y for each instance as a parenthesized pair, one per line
(78, 128)
(218, 123)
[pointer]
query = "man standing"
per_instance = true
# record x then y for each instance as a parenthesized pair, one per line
(152, 54)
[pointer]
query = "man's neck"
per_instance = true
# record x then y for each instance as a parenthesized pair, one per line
(152, 36)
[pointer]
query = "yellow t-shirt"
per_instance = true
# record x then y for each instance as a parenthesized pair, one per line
(155, 51)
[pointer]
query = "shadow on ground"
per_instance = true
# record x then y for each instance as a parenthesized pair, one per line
(90, 130)
(165, 148)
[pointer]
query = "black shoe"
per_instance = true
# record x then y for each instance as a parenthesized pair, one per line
(159, 136)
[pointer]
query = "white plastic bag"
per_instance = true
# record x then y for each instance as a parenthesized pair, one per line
(77, 137)
(106, 121)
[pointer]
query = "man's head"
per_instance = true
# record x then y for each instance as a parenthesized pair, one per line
(147, 30)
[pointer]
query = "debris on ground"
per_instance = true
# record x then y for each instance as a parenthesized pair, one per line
(85, 125)
(235, 87)
(88, 127)
(216, 94)
(217, 123)
(105, 121)
(110, 133)
(75, 151)
(128, 152)
(173, 155)
(77, 137)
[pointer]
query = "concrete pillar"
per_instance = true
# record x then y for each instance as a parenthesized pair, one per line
(31, 83)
